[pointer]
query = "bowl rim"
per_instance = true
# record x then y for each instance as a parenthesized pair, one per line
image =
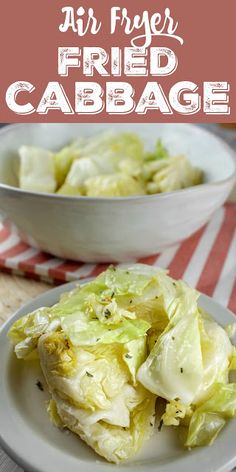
(131, 198)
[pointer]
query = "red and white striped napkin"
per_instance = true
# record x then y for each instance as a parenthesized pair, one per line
(206, 260)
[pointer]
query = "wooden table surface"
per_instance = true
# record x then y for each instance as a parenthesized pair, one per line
(15, 291)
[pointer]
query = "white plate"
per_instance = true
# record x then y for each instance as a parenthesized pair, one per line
(28, 437)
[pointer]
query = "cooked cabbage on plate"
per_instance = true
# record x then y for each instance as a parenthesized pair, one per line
(116, 350)
(106, 165)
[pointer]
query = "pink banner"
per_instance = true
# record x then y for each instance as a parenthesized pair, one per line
(165, 61)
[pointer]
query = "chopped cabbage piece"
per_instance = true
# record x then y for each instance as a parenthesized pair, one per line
(80, 171)
(209, 418)
(171, 174)
(97, 400)
(37, 170)
(114, 185)
(69, 190)
(174, 367)
(64, 158)
(106, 165)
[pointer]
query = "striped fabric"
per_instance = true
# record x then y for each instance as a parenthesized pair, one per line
(206, 260)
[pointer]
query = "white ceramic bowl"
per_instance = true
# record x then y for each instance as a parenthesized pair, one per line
(114, 229)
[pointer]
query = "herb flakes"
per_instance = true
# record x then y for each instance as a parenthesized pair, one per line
(40, 386)
(160, 426)
(88, 374)
(128, 356)
(107, 313)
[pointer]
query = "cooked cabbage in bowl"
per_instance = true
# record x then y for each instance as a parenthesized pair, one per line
(106, 165)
